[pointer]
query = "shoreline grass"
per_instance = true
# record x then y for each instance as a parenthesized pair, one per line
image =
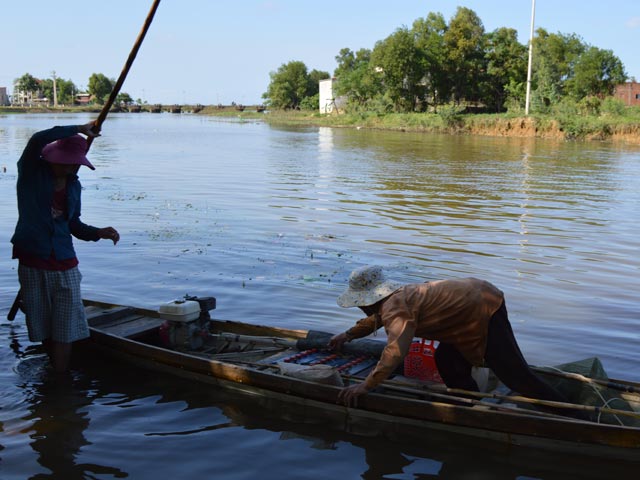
(625, 128)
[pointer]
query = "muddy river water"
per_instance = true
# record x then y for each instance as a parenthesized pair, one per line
(271, 220)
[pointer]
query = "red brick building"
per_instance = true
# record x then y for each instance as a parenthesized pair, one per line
(629, 93)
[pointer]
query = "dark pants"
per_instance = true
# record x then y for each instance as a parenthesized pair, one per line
(503, 356)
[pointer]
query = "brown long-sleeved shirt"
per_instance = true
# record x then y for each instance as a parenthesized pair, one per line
(456, 312)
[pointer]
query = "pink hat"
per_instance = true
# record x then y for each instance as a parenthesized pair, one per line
(67, 151)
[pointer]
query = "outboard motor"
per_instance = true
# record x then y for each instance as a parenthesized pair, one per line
(186, 323)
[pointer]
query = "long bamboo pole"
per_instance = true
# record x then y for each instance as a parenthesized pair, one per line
(425, 390)
(125, 70)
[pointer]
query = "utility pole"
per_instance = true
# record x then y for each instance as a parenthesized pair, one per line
(533, 15)
(55, 90)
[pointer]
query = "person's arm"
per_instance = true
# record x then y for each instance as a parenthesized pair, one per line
(90, 233)
(31, 154)
(400, 332)
(362, 328)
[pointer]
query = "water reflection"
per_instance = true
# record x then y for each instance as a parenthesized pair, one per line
(55, 420)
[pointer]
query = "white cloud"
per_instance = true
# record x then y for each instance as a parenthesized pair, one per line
(633, 22)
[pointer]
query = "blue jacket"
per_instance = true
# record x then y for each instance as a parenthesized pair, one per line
(37, 233)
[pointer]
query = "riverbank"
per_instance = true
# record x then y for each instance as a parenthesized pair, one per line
(569, 127)
(587, 128)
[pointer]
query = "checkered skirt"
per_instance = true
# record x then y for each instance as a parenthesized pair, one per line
(52, 302)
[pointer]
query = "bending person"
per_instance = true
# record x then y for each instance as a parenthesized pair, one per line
(467, 316)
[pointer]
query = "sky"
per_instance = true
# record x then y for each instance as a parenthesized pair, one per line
(222, 51)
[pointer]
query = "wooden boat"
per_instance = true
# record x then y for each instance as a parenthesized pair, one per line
(279, 364)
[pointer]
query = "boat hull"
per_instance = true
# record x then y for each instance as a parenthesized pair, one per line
(386, 413)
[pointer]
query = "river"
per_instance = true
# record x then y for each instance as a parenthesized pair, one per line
(271, 220)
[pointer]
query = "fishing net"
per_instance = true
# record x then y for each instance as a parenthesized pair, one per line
(583, 391)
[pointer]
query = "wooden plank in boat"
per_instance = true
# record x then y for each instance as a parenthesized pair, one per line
(98, 316)
(123, 321)
(133, 327)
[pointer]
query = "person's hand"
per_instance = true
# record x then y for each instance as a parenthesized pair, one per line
(337, 341)
(89, 129)
(349, 395)
(109, 233)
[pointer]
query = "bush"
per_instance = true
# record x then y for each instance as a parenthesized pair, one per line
(590, 105)
(612, 106)
(451, 114)
(310, 103)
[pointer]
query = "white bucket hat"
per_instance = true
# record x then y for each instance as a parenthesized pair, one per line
(367, 285)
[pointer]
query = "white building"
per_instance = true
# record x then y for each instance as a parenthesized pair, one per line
(328, 102)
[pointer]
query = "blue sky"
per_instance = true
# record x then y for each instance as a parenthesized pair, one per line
(214, 51)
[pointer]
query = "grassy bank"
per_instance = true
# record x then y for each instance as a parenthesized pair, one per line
(593, 128)
(624, 128)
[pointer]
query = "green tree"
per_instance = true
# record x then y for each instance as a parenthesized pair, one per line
(123, 98)
(46, 89)
(314, 82)
(100, 87)
(356, 79)
(431, 57)
(554, 59)
(66, 91)
(465, 42)
(289, 85)
(26, 84)
(396, 59)
(310, 103)
(596, 73)
(506, 68)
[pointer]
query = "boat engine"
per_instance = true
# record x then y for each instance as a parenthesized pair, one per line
(186, 325)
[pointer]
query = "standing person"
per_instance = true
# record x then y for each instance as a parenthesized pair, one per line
(467, 316)
(48, 215)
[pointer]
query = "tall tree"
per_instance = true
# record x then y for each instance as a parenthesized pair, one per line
(396, 59)
(554, 59)
(465, 42)
(289, 86)
(356, 79)
(100, 87)
(66, 91)
(596, 73)
(314, 81)
(506, 68)
(431, 56)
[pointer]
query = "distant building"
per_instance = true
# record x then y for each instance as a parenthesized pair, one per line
(328, 102)
(4, 98)
(21, 97)
(629, 93)
(82, 98)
